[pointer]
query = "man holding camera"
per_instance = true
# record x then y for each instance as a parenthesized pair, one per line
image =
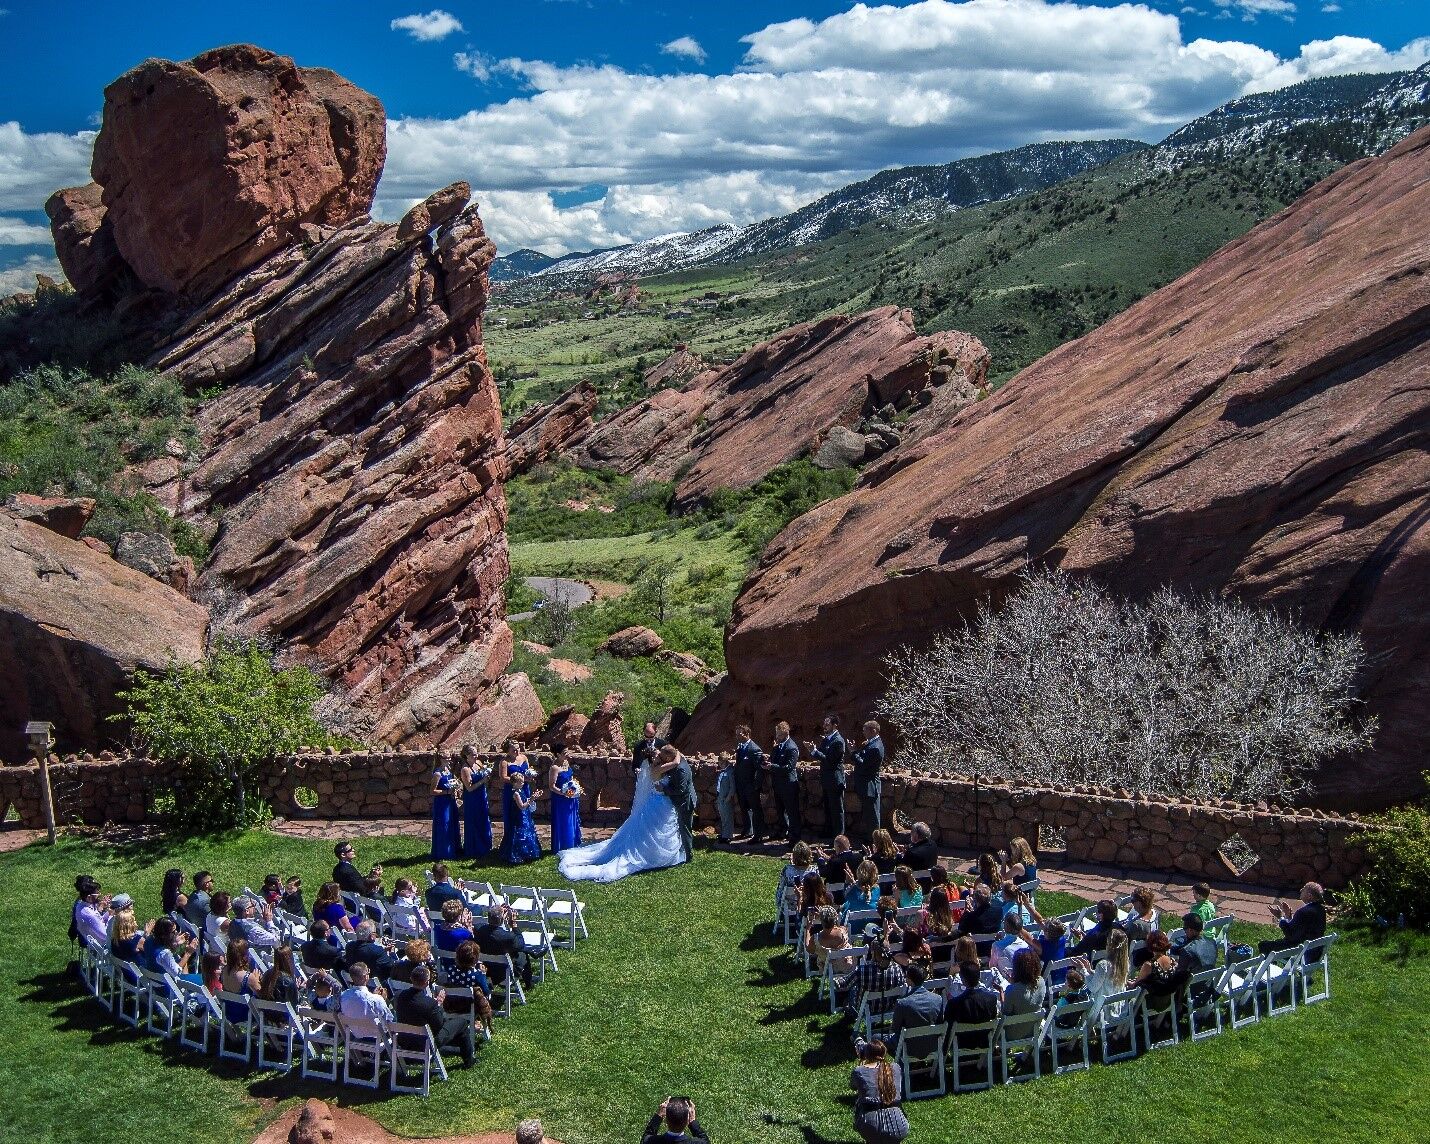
(678, 1114)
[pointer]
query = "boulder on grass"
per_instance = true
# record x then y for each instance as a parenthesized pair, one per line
(632, 643)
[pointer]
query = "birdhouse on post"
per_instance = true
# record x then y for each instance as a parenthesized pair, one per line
(40, 737)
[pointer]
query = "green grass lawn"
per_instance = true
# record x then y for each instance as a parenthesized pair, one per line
(619, 557)
(678, 990)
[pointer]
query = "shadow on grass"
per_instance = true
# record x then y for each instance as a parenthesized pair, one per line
(777, 971)
(807, 1004)
(760, 938)
(834, 1047)
(1397, 947)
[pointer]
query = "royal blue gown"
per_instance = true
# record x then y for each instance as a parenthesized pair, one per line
(446, 834)
(519, 843)
(476, 822)
(565, 815)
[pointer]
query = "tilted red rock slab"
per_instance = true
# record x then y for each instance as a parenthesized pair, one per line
(1259, 427)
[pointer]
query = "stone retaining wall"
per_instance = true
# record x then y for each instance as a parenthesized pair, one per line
(1096, 824)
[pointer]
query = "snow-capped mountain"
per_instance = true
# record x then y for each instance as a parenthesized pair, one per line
(653, 256)
(518, 264)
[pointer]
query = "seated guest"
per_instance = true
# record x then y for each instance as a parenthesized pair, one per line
(280, 983)
(216, 925)
(211, 970)
(921, 853)
(1075, 994)
(1112, 973)
(1018, 863)
(292, 899)
(372, 887)
(1306, 924)
(170, 951)
(1162, 976)
(917, 1008)
(328, 907)
(407, 912)
(907, 890)
(455, 926)
(416, 952)
(416, 1006)
(831, 937)
(1053, 946)
(239, 977)
(1141, 915)
(1192, 948)
(877, 973)
(498, 935)
(257, 931)
(362, 1007)
(126, 939)
(466, 971)
(989, 870)
(882, 851)
(1015, 903)
(913, 950)
(374, 954)
(345, 873)
(937, 922)
(324, 993)
(1202, 903)
(172, 898)
(864, 893)
(813, 895)
(90, 920)
(196, 908)
(983, 915)
(800, 866)
(441, 890)
(322, 950)
(1028, 991)
(1095, 939)
(842, 861)
(976, 1005)
(1012, 941)
(678, 1112)
(938, 877)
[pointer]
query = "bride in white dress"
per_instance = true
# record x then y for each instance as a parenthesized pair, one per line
(648, 840)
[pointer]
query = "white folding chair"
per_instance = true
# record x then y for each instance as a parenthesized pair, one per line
(405, 1056)
(1283, 966)
(233, 1032)
(876, 1010)
(1055, 966)
(1160, 1029)
(129, 992)
(1063, 1039)
(855, 920)
(1117, 1019)
(465, 992)
(510, 985)
(1315, 958)
(352, 902)
(838, 963)
(1202, 1003)
(928, 1060)
(905, 915)
(198, 1015)
(100, 977)
(375, 911)
(1021, 1035)
(276, 1033)
(479, 895)
(965, 1051)
(160, 1003)
(1219, 931)
(1241, 987)
(365, 1049)
(322, 1037)
(564, 906)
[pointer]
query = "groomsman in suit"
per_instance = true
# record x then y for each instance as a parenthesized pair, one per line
(784, 763)
(868, 763)
(829, 751)
(646, 748)
(749, 776)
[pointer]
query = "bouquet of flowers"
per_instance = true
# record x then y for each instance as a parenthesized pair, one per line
(572, 789)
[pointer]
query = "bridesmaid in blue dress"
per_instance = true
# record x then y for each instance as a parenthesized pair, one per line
(446, 836)
(476, 807)
(519, 842)
(565, 802)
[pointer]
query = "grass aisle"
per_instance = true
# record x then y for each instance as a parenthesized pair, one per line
(678, 990)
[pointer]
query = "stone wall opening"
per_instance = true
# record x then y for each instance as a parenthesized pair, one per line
(305, 799)
(1238, 855)
(1052, 839)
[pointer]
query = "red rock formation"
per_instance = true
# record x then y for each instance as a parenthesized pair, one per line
(677, 370)
(729, 428)
(1258, 427)
(210, 166)
(73, 624)
(65, 515)
(84, 243)
(544, 430)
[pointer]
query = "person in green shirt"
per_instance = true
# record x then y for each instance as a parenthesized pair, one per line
(1203, 908)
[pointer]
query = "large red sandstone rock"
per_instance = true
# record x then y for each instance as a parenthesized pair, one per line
(65, 515)
(544, 430)
(727, 429)
(677, 370)
(353, 459)
(84, 240)
(1258, 427)
(73, 624)
(210, 166)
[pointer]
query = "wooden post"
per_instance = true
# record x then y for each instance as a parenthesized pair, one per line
(39, 736)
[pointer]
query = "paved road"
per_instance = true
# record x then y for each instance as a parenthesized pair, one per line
(574, 592)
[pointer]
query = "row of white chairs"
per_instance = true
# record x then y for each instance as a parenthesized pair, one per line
(1013, 1048)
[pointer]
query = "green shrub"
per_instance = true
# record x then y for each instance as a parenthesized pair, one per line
(219, 720)
(1399, 879)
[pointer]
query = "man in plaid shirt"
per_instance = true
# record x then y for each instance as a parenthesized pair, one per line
(876, 972)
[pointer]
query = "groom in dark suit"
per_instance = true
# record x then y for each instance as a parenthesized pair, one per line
(677, 783)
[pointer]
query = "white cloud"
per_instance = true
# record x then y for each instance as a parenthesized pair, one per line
(14, 279)
(433, 25)
(478, 65)
(1341, 55)
(686, 46)
(18, 232)
(1251, 9)
(31, 166)
(1330, 8)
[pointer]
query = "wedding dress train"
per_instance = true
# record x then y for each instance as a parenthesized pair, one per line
(648, 840)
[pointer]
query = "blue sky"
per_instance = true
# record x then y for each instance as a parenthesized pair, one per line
(590, 122)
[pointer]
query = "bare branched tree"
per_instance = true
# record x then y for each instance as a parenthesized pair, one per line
(1063, 684)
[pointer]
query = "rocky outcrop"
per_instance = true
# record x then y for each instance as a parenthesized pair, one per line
(206, 168)
(675, 371)
(632, 643)
(780, 400)
(545, 430)
(65, 515)
(1259, 427)
(74, 624)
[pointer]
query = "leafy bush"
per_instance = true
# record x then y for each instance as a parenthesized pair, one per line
(1185, 696)
(1399, 879)
(218, 721)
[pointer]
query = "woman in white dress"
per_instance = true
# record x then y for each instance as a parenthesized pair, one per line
(648, 840)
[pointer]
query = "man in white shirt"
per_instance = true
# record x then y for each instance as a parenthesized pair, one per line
(361, 1007)
(1007, 947)
(91, 912)
(246, 924)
